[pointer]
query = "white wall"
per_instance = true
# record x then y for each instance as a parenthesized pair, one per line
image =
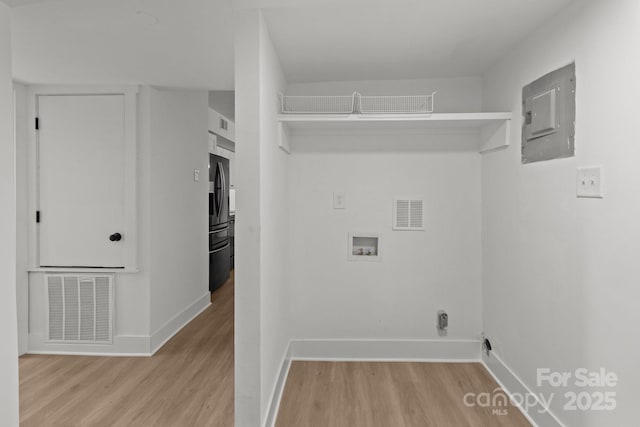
(420, 272)
(262, 330)
(274, 217)
(8, 322)
(178, 228)
(247, 384)
(560, 273)
(224, 102)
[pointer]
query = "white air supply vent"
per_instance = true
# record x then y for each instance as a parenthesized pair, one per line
(408, 214)
(80, 309)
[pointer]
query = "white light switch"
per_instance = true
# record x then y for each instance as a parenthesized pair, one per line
(339, 200)
(196, 175)
(589, 182)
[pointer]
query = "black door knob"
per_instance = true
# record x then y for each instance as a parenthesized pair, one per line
(115, 237)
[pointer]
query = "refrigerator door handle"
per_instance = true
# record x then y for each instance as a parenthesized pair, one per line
(217, 188)
(222, 187)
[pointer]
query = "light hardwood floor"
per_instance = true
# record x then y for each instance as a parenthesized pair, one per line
(189, 382)
(376, 394)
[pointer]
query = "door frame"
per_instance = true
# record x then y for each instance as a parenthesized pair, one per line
(130, 93)
(20, 150)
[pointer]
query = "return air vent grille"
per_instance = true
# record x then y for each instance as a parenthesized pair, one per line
(408, 214)
(80, 309)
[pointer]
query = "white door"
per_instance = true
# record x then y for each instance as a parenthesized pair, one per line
(81, 143)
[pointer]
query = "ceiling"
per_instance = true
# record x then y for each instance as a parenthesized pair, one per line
(182, 43)
(15, 3)
(189, 43)
(400, 39)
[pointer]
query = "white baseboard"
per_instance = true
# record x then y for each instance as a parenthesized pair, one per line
(123, 345)
(513, 385)
(387, 350)
(179, 321)
(278, 389)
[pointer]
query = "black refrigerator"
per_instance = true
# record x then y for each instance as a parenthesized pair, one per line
(219, 243)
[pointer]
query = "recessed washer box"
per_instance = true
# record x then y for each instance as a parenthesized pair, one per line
(364, 247)
(549, 115)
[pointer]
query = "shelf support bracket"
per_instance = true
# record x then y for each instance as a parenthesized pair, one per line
(495, 136)
(284, 138)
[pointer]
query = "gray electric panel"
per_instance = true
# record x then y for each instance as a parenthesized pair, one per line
(549, 116)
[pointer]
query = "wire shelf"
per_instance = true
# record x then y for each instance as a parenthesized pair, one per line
(318, 104)
(357, 103)
(406, 104)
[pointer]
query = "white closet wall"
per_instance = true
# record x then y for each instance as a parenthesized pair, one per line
(420, 271)
(560, 273)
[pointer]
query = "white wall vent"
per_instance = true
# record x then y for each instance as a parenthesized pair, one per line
(79, 308)
(408, 214)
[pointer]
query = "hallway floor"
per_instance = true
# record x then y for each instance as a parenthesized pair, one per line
(189, 382)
